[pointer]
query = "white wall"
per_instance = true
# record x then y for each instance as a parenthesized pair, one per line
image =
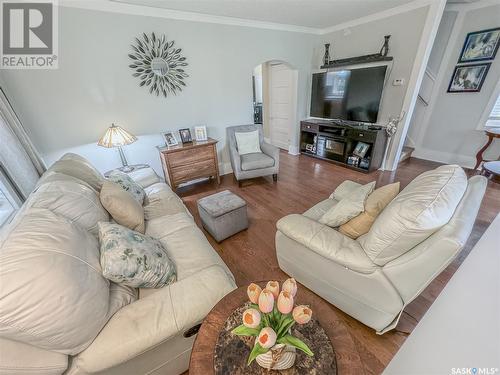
(446, 130)
(405, 30)
(69, 109)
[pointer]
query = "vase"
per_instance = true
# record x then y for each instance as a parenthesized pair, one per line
(279, 357)
(385, 48)
(326, 56)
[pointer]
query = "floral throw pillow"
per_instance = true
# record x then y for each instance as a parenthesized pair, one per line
(134, 259)
(127, 184)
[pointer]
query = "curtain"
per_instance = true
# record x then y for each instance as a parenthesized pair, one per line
(20, 163)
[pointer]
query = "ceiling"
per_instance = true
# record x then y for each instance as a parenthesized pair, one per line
(304, 13)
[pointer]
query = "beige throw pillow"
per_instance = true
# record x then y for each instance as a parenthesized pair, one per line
(374, 205)
(349, 207)
(122, 206)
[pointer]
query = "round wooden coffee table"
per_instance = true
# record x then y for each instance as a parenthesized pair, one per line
(348, 360)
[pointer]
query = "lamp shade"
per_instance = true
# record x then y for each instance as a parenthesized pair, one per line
(116, 136)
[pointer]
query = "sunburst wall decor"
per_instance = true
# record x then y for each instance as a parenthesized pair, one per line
(158, 64)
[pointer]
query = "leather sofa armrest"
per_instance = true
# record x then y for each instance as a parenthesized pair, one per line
(145, 177)
(271, 151)
(326, 242)
(235, 159)
(154, 319)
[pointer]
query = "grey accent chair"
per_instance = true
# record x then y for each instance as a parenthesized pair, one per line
(256, 164)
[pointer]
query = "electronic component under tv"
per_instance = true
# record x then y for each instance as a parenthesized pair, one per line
(352, 95)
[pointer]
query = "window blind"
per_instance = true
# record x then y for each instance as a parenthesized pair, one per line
(494, 117)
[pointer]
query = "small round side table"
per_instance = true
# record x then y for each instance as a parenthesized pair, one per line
(347, 357)
(491, 169)
(492, 133)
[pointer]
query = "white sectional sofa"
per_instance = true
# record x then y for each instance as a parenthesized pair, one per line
(59, 315)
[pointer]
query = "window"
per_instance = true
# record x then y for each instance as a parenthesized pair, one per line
(7, 205)
(494, 116)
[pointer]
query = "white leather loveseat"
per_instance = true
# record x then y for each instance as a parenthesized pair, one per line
(375, 276)
(59, 315)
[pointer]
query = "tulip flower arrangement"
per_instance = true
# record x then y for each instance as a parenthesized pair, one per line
(271, 316)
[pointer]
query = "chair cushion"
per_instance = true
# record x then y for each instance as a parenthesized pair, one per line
(133, 259)
(349, 207)
(247, 142)
(374, 205)
(52, 294)
(186, 244)
(422, 207)
(127, 184)
(71, 198)
(256, 160)
(122, 206)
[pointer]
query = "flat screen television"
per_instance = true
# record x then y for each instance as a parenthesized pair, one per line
(352, 95)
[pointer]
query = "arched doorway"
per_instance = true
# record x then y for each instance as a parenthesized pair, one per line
(275, 101)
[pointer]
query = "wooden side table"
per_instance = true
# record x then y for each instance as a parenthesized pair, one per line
(492, 134)
(190, 161)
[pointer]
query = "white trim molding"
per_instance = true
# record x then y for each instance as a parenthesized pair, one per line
(431, 26)
(125, 7)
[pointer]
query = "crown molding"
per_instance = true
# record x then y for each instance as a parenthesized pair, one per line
(377, 16)
(466, 7)
(124, 7)
(144, 10)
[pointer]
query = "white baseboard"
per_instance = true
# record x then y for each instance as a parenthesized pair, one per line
(444, 157)
(267, 140)
(225, 168)
(293, 150)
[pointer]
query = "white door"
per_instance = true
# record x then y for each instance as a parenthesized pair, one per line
(282, 105)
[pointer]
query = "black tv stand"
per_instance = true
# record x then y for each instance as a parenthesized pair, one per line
(336, 141)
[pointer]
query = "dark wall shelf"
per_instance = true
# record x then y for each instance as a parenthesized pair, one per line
(357, 60)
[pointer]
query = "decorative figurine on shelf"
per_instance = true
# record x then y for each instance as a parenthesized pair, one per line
(385, 48)
(326, 57)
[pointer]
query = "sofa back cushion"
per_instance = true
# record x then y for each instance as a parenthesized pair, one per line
(78, 167)
(420, 209)
(71, 198)
(52, 293)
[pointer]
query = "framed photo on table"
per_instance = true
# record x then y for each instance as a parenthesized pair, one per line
(170, 139)
(468, 78)
(200, 133)
(361, 149)
(185, 135)
(480, 45)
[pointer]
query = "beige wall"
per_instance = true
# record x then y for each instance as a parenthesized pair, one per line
(448, 131)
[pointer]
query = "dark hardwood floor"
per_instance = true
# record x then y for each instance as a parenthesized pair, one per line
(303, 182)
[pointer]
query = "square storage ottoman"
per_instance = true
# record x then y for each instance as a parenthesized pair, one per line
(223, 214)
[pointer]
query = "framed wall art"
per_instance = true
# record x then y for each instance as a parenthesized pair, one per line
(468, 78)
(480, 45)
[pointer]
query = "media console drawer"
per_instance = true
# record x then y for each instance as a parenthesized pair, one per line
(305, 126)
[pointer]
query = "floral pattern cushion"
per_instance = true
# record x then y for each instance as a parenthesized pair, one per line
(127, 184)
(134, 259)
